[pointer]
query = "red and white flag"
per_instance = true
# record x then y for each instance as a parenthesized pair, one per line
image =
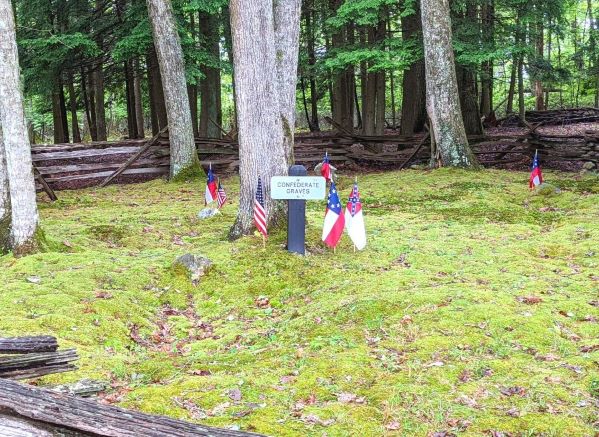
(334, 220)
(354, 219)
(210, 195)
(259, 210)
(536, 176)
(325, 170)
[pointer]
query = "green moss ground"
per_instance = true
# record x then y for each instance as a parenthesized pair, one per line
(419, 333)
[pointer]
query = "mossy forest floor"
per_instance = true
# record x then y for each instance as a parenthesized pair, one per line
(473, 310)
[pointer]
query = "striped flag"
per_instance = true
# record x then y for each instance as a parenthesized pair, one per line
(334, 220)
(221, 196)
(210, 195)
(325, 170)
(536, 177)
(259, 210)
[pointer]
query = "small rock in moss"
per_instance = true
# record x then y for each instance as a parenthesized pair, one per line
(194, 266)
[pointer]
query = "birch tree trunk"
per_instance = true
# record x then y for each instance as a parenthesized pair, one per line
(184, 158)
(19, 170)
(443, 102)
(261, 146)
(4, 202)
(287, 14)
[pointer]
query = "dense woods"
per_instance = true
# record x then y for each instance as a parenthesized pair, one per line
(92, 72)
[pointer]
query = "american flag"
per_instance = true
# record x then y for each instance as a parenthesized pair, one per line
(259, 211)
(221, 196)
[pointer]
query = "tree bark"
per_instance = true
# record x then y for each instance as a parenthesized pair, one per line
(443, 103)
(89, 106)
(73, 108)
(342, 87)
(512, 89)
(5, 213)
(24, 232)
(184, 157)
(310, 37)
(287, 14)
(413, 105)
(99, 106)
(486, 81)
(157, 105)
(539, 100)
(261, 146)
(468, 101)
(139, 110)
(130, 94)
(210, 92)
(57, 121)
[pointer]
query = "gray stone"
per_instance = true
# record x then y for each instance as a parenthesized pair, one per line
(195, 266)
(207, 213)
(589, 165)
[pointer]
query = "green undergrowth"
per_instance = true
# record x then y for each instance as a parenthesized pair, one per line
(473, 308)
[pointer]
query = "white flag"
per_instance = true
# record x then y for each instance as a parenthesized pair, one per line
(354, 219)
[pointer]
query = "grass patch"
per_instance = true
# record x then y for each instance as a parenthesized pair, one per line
(426, 330)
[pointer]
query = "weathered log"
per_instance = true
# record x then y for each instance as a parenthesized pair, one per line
(27, 345)
(37, 364)
(27, 407)
(133, 158)
(49, 191)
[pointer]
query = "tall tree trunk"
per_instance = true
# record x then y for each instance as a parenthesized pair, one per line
(342, 97)
(486, 81)
(521, 108)
(59, 132)
(184, 157)
(192, 92)
(510, 96)
(130, 94)
(443, 102)
(99, 106)
(210, 92)
(310, 37)
(24, 232)
(413, 103)
(287, 14)
(468, 101)
(73, 108)
(63, 110)
(88, 99)
(261, 147)
(229, 47)
(5, 212)
(157, 105)
(540, 45)
(139, 110)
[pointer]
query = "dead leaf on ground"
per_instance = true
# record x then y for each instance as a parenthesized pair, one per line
(393, 426)
(590, 348)
(314, 419)
(529, 300)
(348, 398)
(465, 376)
(201, 372)
(235, 394)
(195, 411)
(513, 391)
(465, 400)
(262, 302)
(103, 295)
(513, 412)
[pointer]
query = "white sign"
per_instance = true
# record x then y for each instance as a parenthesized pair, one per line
(298, 187)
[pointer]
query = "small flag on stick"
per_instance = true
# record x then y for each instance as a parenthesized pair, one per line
(221, 196)
(536, 176)
(334, 220)
(259, 210)
(354, 219)
(211, 189)
(325, 170)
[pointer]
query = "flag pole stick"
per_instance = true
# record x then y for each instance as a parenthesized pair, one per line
(354, 248)
(263, 241)
(335, 249)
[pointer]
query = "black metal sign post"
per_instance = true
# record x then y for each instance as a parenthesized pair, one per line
(296, 218)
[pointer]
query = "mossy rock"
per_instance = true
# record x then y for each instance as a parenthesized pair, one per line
(192, 266)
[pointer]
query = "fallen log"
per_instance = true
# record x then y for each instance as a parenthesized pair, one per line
(133, 158)
(45, 413)
(27, 345)
(35, 365)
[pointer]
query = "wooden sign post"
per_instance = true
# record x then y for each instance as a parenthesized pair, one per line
(296, 189)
